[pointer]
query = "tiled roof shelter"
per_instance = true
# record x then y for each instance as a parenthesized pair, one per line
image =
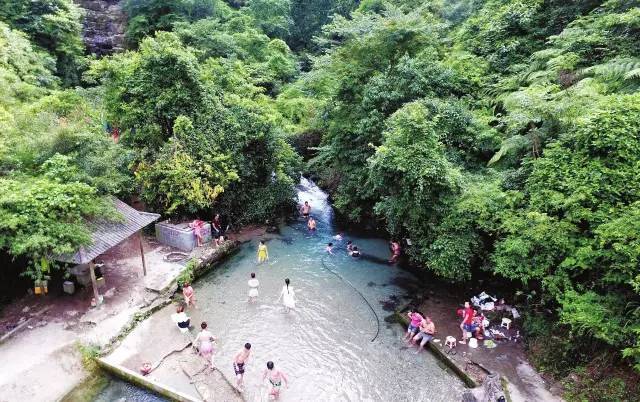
(107, 234)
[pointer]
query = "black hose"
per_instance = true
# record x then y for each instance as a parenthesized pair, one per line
(361, 295)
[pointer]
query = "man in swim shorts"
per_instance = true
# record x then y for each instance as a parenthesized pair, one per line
(238, 363)
(306, 209)
(275, 380)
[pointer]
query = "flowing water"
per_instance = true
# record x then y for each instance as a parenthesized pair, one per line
(325, 345)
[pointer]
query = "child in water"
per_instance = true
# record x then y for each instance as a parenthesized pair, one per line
(275, 380)
(263, 253)
(238, 364)
(204, 344)
(253, 288)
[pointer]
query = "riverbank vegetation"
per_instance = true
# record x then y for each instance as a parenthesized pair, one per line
(501, 137)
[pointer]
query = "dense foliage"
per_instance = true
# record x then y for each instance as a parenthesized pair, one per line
(502, 137)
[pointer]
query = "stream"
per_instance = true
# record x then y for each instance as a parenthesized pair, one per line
(325, 345)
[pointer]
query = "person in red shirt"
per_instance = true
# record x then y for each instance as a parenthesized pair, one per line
(467, 321)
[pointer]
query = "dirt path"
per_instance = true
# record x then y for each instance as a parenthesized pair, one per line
(42, 361)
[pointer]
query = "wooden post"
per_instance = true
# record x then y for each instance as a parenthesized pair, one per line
(94, 283)
(144, 265)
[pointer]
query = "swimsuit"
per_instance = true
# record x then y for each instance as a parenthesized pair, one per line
(183, 324)
(277, 384)
(238, 368)
(206, 347)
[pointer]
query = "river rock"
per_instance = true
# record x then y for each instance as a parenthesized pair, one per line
(103, 25)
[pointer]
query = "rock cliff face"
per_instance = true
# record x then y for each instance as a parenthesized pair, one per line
(104, 24)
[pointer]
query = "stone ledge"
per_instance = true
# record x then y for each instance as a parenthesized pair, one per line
(151, 384)
(401, 318)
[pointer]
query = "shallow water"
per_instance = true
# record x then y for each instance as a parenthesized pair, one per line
(324, 345)
(121, 391)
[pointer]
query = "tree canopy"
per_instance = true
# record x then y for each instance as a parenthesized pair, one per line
(502, 137)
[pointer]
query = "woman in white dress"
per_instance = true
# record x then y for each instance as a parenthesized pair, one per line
(253, 288)
(288, 296)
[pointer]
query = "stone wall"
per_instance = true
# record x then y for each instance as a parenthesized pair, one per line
(103, 26)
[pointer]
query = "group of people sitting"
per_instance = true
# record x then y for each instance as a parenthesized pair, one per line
(421, 329)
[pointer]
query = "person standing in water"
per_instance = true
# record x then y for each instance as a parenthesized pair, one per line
(204, 344)
(263, 253)
(311, 224)
(189, 296)
(276, 377)
(288, 296)
(238, 364)
(253, 288)
(395, 251)
(355, 253)
(306, 209)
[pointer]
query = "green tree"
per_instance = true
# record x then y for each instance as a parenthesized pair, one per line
(41, 217)
(272, 16)
(54, 25)
(146, 91)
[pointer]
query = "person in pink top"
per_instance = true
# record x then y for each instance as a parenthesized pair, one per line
(416, 318)
(189, 296)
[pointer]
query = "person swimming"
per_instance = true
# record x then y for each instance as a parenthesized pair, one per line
(238, 363)
(276, 377)
(329, 248)
(349, 245)
(355, 252)
(311, 224)
(253, 288)
(263, 252)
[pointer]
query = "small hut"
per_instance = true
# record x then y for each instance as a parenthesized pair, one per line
(108, 234)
